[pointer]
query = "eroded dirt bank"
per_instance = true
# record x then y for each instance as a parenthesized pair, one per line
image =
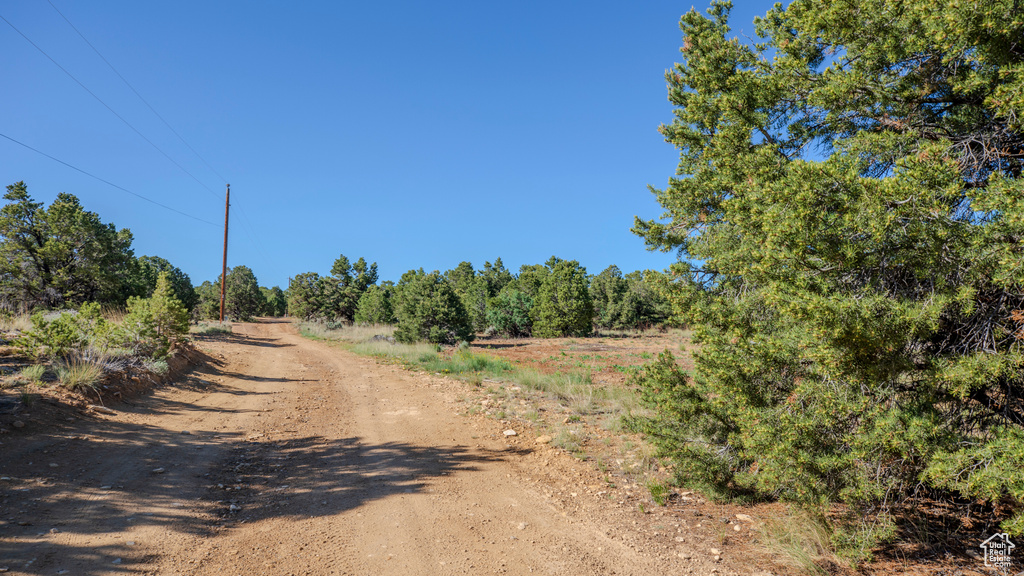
(286, 456)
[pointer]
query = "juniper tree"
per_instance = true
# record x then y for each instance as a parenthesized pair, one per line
(143, 280)
(59, 254)
(849, 210)
(606, 292)
(563, 306)
(305, 296)
(242, 297)
(429, 309)
(375, 305)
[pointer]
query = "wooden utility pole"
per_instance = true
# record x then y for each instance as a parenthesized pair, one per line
(224, 263)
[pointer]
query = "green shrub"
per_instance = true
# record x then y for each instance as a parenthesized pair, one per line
(375, 306)
(152, 325)
(429, 309)
(212, 328)
(274, 300)
(69, 331)
(242, 297)
(159, 367)
(465, 362)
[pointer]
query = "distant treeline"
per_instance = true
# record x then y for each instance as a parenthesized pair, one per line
(62, 256)
(557, 298)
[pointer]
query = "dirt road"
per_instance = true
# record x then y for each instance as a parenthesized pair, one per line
(287, 456)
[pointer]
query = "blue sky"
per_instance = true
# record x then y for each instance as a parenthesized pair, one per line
(416, 134)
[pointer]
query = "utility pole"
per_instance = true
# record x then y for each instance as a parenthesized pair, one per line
(224, 264)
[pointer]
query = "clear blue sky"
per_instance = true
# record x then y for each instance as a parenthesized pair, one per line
(411, 133)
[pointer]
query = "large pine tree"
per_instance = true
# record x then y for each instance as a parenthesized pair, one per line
(850, 210)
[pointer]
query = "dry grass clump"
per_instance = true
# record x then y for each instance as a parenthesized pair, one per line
(80, 372)
(15, 323)
(799, 540)
(205, 328)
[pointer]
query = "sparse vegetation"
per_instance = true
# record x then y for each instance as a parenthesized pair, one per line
(211, 328)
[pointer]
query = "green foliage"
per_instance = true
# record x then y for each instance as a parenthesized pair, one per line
(242, 297)
(208, 301)
(856, 310)
(659, 492)
(144, 277)
(341, 292)
(563, 306)
(152, 325)
(170, 318)
(331, 298)
(275, 304)
(211, 328)
(496, 276)
(465, 362)
(509, 312)
(375, 305)
(627, 302)
(429, 309)
(79, 373)
(305, 296)
(642, 304)
(54, 335)
(477, 288)
(33, 373)
(60, 255)
(606, 291)
(531, 278)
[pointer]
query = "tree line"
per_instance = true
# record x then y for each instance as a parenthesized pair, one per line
(62, 256)
(557, 298)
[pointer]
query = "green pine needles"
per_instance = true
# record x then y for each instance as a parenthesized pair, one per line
(850, 208)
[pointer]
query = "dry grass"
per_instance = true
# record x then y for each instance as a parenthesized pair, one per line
(405, 353)
(346, 333)
(114, 314)
(799, 540)
(211, 328)
(15, 323)
(80, 372)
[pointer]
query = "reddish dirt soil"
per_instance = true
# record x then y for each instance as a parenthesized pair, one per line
(610, 359)
(281, 455)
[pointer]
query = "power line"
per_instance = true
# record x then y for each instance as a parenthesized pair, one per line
(247, 226)
(107, 182)
(98, 99)
(144, 101)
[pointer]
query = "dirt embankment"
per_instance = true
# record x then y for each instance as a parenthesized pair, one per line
(284, 456)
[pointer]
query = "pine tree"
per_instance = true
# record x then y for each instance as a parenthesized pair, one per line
(848, 209)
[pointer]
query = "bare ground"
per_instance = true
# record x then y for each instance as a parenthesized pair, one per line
(281, 455)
